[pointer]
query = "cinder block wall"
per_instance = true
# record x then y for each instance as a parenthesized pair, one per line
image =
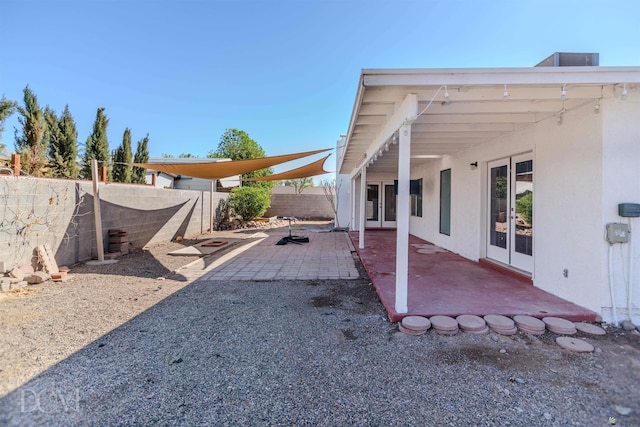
(60, 213)
(301, 206)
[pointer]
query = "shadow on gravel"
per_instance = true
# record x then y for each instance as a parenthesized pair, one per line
(198, 355)
(318, 353)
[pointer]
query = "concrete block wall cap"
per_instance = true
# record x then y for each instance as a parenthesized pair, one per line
(28, 269)
(17, 273)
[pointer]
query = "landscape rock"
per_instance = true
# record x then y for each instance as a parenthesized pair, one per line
(5, 284)
(17, 273)
(27, 269)
(37, 278)
(627, 325)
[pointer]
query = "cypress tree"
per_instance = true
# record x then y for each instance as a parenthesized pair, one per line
(141, 156)
(97, 145)
(31, 144)
(62, 138)
(122, 159)
(6, 109)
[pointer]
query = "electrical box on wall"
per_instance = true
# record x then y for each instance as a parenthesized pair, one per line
(629, 210)
(617, 233)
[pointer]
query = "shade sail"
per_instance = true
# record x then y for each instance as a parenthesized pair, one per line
(219, 170)
(312, 169)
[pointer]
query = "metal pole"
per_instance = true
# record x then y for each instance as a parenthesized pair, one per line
(213, 182)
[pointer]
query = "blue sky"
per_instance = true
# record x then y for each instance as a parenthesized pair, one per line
(285, 72)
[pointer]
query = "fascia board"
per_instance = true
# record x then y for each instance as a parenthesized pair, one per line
(514, 76)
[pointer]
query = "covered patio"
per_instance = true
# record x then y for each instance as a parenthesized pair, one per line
(443, 283)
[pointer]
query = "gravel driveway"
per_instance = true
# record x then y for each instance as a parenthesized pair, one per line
(129, 348)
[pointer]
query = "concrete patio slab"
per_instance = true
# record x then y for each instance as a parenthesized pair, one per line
(444, 283)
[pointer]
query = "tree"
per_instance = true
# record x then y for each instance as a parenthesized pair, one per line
(141, 156)
(249, 202)
(299, 184)
(237, 145)
(7, 108)
(122, 169)
(97, 145)
(30, 144)
(331, 191)
(62, 139)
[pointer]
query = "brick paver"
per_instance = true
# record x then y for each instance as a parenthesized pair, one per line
(326, 256)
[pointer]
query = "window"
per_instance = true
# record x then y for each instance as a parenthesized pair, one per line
(445, 202)
(416, 197)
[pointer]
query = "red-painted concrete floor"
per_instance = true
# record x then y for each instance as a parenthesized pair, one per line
(443, 283)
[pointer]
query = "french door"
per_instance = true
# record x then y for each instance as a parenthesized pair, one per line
(381, 205)
(510, 211)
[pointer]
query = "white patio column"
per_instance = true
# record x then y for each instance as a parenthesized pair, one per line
(363, 207)
(402, 239)
(352, 201)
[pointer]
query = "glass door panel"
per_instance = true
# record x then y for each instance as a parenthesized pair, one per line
(389, 205)
(498, 211)
(373, 206)
(522, 221)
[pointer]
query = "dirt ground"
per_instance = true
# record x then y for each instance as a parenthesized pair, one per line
(47, 323)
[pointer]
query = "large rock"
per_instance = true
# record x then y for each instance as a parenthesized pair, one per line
(16, 273)
(37, 278)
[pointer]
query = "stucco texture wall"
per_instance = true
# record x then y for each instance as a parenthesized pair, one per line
(60, 213)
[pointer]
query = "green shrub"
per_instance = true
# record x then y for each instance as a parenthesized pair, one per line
(249, 202)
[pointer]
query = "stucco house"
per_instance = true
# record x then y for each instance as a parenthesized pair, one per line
(520, 168)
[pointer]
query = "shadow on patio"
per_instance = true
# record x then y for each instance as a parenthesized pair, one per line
(444, 283)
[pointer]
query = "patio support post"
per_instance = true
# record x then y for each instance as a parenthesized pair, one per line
(352, 201)
(402, 239)
(363, 208)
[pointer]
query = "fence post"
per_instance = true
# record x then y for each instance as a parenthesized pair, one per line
(15, 162)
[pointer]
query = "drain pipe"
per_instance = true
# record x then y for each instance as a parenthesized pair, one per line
(613, 302)
(630, 283)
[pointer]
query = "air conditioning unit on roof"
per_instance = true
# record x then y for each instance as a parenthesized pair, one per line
(571, 59)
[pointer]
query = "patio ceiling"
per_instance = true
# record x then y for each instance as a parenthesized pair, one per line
(475, 111)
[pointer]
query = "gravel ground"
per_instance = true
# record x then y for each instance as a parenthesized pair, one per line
(122, 346)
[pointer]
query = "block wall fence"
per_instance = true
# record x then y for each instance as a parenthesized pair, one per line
(38, 211)
(301, 206)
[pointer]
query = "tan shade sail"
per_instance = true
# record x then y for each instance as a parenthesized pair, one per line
(219, 170)
(312, 169)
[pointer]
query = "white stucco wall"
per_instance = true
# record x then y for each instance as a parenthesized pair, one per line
(343, 190)
(621, 184)
(583, 168)
(567, 198)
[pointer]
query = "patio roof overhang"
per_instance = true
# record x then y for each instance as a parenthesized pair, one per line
(480, 105)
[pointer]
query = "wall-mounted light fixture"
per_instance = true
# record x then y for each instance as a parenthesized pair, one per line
(505, 95)
(624, 92)
(446, 96)
(596, 110)
(473, 165)
(563, 92)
